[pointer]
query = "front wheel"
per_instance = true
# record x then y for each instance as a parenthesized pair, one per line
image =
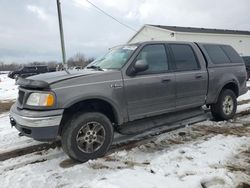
(226, 106)
(87, 136)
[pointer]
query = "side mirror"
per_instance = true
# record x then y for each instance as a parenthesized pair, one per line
(140, 66)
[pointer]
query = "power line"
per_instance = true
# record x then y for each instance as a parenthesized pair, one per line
(107, 14)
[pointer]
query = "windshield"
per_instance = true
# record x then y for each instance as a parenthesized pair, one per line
(115, 58)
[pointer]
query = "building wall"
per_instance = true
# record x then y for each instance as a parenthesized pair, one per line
(240, 42)
(148, 33)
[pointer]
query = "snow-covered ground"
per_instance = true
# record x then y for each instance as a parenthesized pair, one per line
(182, 158)
(8, 89)
(9, 139)
(207, 154)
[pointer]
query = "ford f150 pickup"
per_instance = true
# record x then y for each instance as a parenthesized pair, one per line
(130, 83)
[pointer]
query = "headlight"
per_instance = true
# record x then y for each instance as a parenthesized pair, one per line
(40, 99)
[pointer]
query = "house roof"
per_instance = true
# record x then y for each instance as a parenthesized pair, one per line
(201, 30)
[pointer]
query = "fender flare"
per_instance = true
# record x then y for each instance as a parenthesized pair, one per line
(117, 114)
(233, 81)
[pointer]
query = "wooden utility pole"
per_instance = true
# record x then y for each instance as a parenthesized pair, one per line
(65, 66)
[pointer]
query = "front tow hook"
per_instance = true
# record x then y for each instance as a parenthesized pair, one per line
(12, 122)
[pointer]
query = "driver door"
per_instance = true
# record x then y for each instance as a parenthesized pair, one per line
(151, 92)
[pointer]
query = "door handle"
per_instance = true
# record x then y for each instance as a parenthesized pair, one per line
(198, 76)
(165, 80)
(116, 86)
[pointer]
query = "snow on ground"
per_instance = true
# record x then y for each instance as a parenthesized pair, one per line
(8, 89)
(243, 107)
(9, 139)
(170, 160)
(181, 158)
(246, 96)
(208, 154)
(248, 83)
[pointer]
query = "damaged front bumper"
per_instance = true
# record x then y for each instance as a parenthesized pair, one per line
(40, 125)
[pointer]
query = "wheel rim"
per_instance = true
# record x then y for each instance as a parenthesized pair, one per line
(90, 137)
(228, 105)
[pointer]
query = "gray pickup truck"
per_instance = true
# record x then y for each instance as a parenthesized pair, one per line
(130, 83)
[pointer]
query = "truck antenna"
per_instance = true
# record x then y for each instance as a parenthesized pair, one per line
(65, 66)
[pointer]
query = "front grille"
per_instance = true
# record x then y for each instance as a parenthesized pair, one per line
(21, 97)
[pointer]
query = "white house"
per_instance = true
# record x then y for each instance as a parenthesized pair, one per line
(240, 40)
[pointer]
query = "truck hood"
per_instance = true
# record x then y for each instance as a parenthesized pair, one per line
(43, 81)
(54, 77)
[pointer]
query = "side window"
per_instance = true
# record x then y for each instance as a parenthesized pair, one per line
(184, 57)
(31, 69)
(156, 58)
(232, 54)
(216, 54)
(42, 69)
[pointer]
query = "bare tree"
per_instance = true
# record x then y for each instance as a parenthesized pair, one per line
(9, 67)
(1, 66)
(79, 60)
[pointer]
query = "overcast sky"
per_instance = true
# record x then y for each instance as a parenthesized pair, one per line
(29, 28)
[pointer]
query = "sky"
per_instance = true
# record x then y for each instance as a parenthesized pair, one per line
(29, 28)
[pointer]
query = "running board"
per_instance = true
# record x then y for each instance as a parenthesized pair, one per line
(188, 118)
(142, 125)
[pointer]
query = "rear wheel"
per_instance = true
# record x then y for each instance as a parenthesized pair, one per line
(87, 136)
(226, 106)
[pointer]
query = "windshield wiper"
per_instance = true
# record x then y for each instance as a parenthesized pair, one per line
(95, 67)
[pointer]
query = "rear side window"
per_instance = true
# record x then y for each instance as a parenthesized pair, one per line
(184, 57)
(216, 54)
(232, 54)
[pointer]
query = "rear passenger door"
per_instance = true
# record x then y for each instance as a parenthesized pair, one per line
(191, 76)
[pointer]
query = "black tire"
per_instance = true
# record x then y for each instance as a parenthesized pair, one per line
(226, 106)
(79, 128)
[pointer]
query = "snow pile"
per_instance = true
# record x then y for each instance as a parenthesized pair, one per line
(8, 89)
(245, 100)
(246, 96)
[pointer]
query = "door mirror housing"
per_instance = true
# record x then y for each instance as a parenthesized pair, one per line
(139, 66)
